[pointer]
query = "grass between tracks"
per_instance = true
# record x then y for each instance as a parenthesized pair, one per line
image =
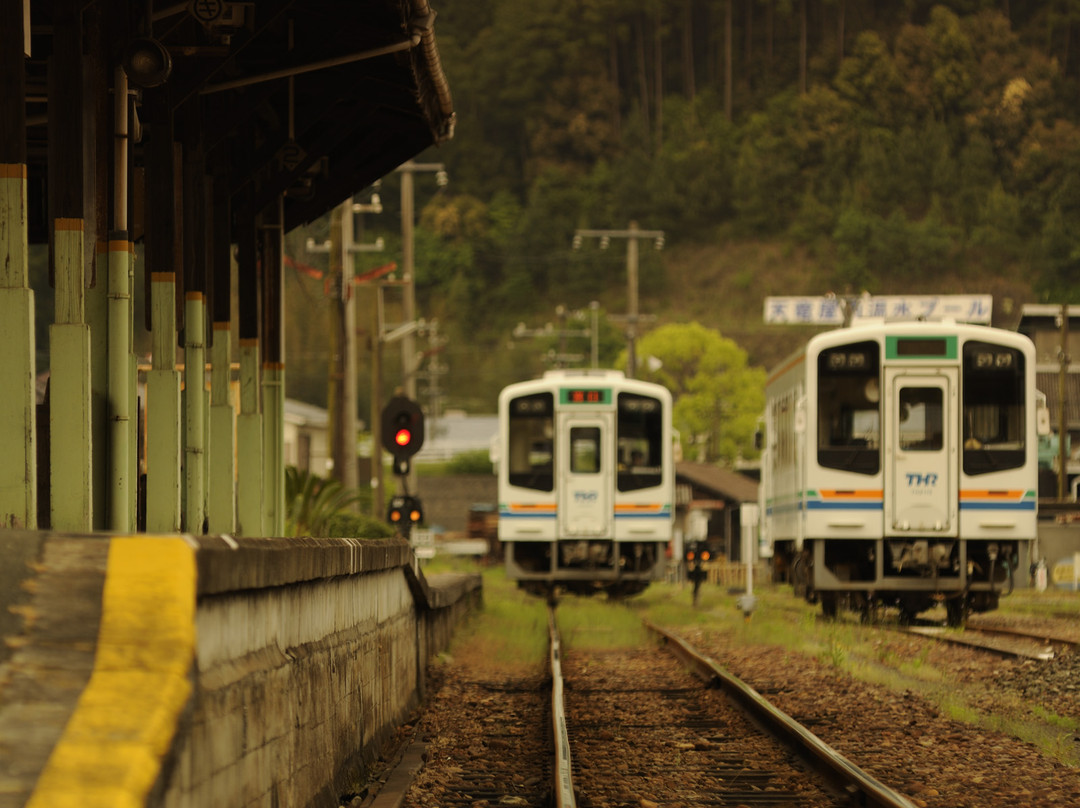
(509, 634)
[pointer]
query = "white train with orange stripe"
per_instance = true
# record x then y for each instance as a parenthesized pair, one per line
(586, 482)
(900, 466)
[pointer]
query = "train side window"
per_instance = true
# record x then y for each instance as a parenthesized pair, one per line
(585, 450)
(994, 408)
(849, 408)
(639, 445)
(530, 451)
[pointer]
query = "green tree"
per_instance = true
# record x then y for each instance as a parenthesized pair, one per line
(871, 82)
(718, 396)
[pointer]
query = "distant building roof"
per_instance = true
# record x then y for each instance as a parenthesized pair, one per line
(725, 483)
(454, 433)
(304, 414)
(1046, 310)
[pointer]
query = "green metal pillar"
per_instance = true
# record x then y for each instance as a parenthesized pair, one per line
(97, 320)
(163, 411)
(122, 371)
(196, 251)
(273, 384)
(249, 443)
(221, 473)
(249, 439)
(18, 445)
(163, 453)
(69, 386)
(273, 376)
(18, 442)
(98, 128)
(221, 500)
(121, 488)
(70, 435)
(195, 412)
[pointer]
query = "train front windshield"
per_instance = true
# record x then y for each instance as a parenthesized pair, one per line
(530, 455)
(849, 418)
(640, 445)
(994, 408)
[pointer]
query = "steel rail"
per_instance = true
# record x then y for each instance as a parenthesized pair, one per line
(970, 639)
(563, 777)
(1023, 633)
(865, 791)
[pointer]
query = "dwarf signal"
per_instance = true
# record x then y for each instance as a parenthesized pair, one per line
(405, 513)
(697, 553)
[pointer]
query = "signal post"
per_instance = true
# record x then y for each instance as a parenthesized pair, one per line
(402, 432)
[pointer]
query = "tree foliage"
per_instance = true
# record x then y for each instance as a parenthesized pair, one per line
(909, 139)
(718, 397)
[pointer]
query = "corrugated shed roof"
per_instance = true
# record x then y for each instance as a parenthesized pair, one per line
(725, 483)
(1048, 383)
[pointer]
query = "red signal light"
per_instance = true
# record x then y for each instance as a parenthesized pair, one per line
(403, 437)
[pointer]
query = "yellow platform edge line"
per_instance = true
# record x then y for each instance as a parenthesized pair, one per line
(111, 751)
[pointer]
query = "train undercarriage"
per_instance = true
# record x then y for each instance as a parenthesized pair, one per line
(584, 566)
(910, 575)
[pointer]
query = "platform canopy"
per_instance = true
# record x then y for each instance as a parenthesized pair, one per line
(315, 99)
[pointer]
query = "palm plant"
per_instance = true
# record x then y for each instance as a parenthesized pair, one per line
(312, 502)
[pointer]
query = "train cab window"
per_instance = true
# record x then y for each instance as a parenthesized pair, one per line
(639, 445)
(585, 450)
(530, 452)
(993, 408)
(849, 408)
(921, 424)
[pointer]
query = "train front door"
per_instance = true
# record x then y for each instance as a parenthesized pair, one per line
(586, 471)
(921, 453)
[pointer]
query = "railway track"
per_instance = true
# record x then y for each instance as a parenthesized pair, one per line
(625, 727)
(1010, 642)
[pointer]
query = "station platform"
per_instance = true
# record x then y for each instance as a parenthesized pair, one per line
(180, 670)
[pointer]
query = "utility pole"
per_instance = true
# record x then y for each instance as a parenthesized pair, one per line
(433, 372)
(1063, 421)
(408, 216)
(561, 358)
(377, 476)
(631, 234)
(343, 355)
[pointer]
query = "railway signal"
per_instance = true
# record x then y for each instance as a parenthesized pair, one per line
(697, 553)
(402, 431)
(405, 513)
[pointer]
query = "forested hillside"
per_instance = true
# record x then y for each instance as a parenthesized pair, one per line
(783, 146)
